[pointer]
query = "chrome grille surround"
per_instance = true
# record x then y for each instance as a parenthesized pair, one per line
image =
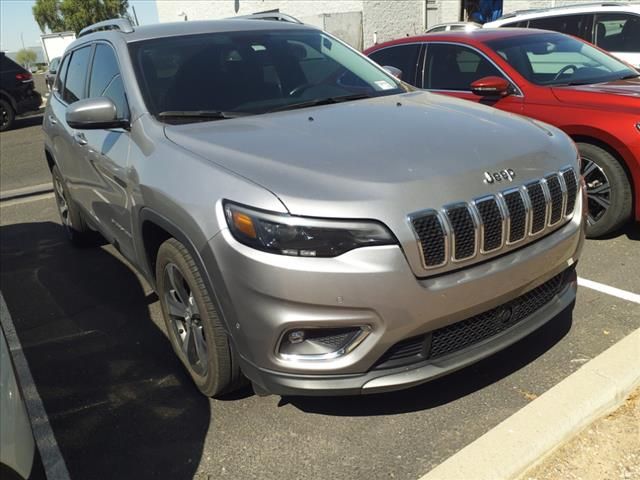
(472, 231)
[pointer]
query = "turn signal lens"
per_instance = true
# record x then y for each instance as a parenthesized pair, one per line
(244, 224)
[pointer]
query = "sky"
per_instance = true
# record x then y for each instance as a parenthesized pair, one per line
(17, 23)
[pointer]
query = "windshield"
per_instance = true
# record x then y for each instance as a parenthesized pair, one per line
(218, 75)
(554, 59)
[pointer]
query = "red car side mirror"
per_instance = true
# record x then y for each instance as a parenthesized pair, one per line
(491, 87)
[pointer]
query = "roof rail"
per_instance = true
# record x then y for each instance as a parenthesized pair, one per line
(121, 24)
(277, 16)
(564, 7)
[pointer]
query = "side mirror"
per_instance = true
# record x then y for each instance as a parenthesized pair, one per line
(491, 87)
(94, 113)
(396, 72)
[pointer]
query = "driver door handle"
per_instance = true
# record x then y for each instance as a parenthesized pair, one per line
(52, 120)
(80, 139)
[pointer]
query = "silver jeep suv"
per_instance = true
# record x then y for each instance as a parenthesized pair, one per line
(309, 222)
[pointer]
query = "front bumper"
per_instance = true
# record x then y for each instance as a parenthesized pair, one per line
(266, 295)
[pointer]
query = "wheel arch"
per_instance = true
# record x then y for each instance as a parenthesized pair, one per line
(615, 153)
(6, 96)
(154, 229)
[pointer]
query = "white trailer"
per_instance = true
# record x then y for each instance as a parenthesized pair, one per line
(54, 44)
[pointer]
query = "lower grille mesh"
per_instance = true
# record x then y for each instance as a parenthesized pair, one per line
(463, 334)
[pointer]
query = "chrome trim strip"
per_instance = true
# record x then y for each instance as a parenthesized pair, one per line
(547, 202)
(365, 330)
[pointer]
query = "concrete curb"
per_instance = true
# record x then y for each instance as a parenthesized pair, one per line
(528, 436)
(26, 191)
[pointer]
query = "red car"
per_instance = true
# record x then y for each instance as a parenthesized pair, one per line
(552, 77)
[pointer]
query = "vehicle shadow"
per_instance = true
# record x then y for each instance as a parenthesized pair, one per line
(27, 121)
(445, 389)
(118, 400)
(631, 230)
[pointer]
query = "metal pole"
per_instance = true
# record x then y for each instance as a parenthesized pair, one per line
(135, 15)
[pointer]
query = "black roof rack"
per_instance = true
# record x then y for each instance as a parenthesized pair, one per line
(274, 15)
(121, 24)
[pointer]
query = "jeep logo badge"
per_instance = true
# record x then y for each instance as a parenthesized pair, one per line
(499, 176)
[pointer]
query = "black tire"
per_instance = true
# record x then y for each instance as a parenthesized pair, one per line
(76, 229)
(7, 115)
(609, 207)
(220, 375)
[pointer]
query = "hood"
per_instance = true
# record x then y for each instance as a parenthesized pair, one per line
(619, 94)
(381, 157)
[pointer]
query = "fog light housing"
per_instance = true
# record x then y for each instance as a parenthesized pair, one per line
(318, 344)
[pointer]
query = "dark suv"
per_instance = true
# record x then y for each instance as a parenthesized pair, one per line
(17, 95)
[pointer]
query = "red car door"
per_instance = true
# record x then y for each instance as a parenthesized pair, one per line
(450, 68)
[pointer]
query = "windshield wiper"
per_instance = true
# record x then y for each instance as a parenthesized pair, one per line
(202, 114)
(628, 77)
(321, 101)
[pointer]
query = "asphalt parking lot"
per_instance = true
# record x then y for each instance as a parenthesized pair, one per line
(121, 406)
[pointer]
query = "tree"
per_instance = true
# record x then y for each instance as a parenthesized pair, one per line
(63, 15)
(26, 57)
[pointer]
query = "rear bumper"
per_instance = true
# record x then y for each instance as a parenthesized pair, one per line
(28, 103)
(377, 381)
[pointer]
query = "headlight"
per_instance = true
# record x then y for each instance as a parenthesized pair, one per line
(300, 236)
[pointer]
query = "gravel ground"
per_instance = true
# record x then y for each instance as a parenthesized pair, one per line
(609, 449)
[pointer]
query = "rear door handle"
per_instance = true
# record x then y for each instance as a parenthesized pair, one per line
(52, 120)
(80, 139)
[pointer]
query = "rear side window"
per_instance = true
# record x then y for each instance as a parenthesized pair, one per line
(618, 32)
(404, 57)
(62, 74)
(454, 67)
(105, 79)
(74, 86)
(576, 25)
(520, 24)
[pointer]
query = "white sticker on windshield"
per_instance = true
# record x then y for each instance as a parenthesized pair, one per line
(384, 85)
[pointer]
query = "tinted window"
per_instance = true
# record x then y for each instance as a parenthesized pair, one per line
(251, 72)
(520, 24)
(105, 80)
(618, 32)
(76, 75)
(577, 25)
(552, 59)
(454, 67)
(404, 57)
(54, 64)
(62, 74)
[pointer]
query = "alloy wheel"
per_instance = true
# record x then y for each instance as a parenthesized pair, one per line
(598, 190)
(185, 319)
(61, 202)
(4, 116)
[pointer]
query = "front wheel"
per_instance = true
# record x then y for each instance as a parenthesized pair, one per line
(193, 323)
(609, 197)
